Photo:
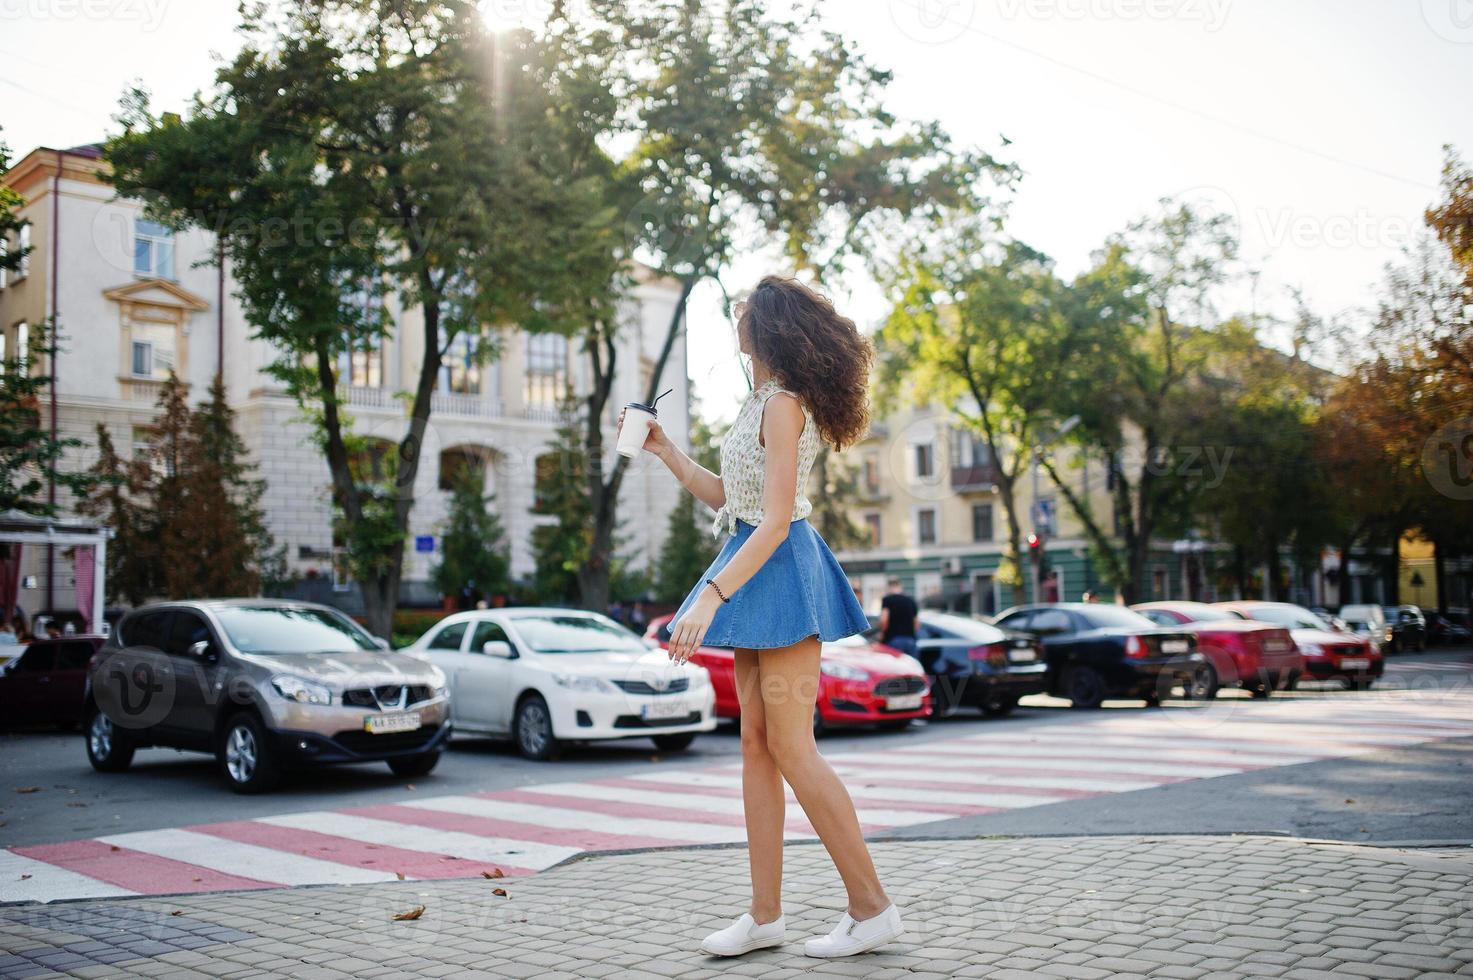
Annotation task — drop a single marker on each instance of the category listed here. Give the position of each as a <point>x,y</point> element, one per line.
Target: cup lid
<point>651,407</point>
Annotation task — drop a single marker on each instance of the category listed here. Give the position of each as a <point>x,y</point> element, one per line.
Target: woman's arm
<point>782,424</point>
<point>692,475</point>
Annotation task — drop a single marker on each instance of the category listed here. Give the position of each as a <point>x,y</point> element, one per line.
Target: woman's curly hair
<point>814,352</point>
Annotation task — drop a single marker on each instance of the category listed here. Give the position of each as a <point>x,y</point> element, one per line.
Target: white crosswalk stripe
<point>1004,766</point>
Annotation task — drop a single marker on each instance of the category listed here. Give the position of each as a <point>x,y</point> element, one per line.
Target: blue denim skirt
<point>800,591</point>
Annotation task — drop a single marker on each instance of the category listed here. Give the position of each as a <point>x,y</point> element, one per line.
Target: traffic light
<point>1034,545</point>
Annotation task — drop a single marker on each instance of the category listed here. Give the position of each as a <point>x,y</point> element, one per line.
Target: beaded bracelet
<point>718,590</point>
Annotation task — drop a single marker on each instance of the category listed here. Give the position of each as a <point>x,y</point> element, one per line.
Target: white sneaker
<point>745,935</point>
<point>850,937</point>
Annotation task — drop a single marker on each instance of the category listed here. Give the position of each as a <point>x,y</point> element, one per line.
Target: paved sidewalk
<point>1079,908</point>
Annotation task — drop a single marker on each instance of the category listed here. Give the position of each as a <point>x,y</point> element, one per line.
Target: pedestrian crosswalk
<point>998,767</point>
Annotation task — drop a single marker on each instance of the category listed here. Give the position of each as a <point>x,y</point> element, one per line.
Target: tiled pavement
<point>897,785</point>
<point>1078,908</point>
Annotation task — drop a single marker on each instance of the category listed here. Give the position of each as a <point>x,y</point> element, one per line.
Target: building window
<point>153,250</point>
<point>872,473</point>
<point>873,526</point>
<point>968,449</point>
<point>24,244</point>
<point>925,460</point>
<point>4,254</point>
<point>153,356</point>
<point>926,526</point>
<point>1158,584</point>
<point>460,371</point>
<point>546,369</point>
<point>982,522</point>
<point>23,347</point>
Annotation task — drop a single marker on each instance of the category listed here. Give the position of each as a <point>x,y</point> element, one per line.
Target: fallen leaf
<point>411,915</point>
<point>76,804</point>
<point>177,912</point>
<point>116,848</point>
<point>28,789</point>
<point>24,877</point>
<point>409,786</point>
<point>498,873</point>
<point>654,758</point>
<point>199,879</point>
<point>399,875</point>
<point>1350,801</point>
<point>499,891</point>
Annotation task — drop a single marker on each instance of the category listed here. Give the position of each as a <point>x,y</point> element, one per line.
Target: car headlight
<point>1311,649</point>
<point>699,677</point>
<point>843,671</point>
<point>579,682</point>
<point>301,691</point>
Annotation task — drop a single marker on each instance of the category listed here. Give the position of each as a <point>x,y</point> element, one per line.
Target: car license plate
<point>1354,663</point>
<point>1024,656</point>
<point>1175,646</point>
<point>399,721</point>
<point>664,709</point>
<point>903,702</point>
<point>1275,646</point>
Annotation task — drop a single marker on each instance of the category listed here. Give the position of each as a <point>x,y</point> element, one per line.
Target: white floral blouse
<point>743,461</point>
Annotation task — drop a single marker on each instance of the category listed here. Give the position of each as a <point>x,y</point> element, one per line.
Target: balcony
<point>981,476</point>
<point>465,405</point>
<point>356,396</point>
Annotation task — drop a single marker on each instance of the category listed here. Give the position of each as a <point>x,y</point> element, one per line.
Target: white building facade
<point>134,301</point>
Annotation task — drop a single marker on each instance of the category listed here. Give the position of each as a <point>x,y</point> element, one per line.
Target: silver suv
<point>262,685</point>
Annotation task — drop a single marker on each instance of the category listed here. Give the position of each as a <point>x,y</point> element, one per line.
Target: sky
<point>1318,124</point>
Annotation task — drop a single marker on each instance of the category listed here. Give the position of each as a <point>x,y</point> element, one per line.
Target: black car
<point>974,664</point>
<point>1095,651</point>
<point>1447,630</point>
<point>1408,628</point>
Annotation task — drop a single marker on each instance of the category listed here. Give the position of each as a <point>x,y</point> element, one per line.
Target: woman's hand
<point>689,630</point>
<point>654,442</point>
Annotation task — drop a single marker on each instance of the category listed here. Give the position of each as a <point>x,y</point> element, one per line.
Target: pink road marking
<point>465,823</point>
<point>966,765</point>
<point>621,808</point>
<point>358,854</point>
<point>856,790</point>
<point>147,874</point>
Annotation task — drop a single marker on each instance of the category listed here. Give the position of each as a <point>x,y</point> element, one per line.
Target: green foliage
<point>186,514</point>
<point>560,547</point>
<point>475,550</point>
<point>29,456</point>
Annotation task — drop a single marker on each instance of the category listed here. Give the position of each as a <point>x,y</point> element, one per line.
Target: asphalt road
<point>49,793</point>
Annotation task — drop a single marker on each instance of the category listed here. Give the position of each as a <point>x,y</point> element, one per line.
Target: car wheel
<point>246,755</point>
<point>999,707</point>
<point>1201,684</point>
<point>1084,687</point>
<point>1261,691</point>
<point>944,700</point>
<point>533,729</point>
<point>673,743</point>
<point>1360,683</point>
<point>109,748</point>
<point>415,765</point>
<point>1292,682</point>
<point>820,727</point>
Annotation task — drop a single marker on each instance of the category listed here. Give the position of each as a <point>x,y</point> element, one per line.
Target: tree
<point>835,500</point>
<point>30,456</point>
<point>749,126</point>
<point>355,149</point>
<point>186,514</point>
<point>475,552</point>
<point>689,547</point>
<point>981,327</point>
<point>560,546</point>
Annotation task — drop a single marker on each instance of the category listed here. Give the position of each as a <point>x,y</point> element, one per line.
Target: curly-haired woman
<point>775,591</point>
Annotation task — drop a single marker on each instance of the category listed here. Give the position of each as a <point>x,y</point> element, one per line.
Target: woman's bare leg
<point>789,689</point>
<point>763,799</point>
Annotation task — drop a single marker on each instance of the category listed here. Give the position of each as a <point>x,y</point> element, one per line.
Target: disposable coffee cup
<point>637,419</point>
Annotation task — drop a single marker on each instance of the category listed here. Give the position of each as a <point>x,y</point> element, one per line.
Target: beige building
<point>135,301</point>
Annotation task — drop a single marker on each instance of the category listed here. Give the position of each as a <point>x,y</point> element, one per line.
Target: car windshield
<point>961,626</point>
<point>291,630</point>
<point>577,634</point>
<point>1197,612</point>
<point>1115,617</point>
<point>1293,617</point>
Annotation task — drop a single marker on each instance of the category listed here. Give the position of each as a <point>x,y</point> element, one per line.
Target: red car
<point>1329,653</point>
<point>46,684</point>
<point>1258,657</point>
<point>858,683</point>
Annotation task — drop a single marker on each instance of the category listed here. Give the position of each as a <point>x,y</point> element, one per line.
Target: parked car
<point>546,676</point>
<point>1328,653</point>
<point>1408,628</point>
<point>1096,651</point>
<point>972,663</point>
<point>859,683</point>
<point>1447,631</point>
<point>262,685</point>
<point>45,683</point>
<point>1258,657</point>
<point>1369,621</point>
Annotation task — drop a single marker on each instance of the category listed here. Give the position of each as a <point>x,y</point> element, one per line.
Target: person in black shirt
<point>898,620</point>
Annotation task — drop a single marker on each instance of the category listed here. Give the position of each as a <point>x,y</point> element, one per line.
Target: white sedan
<point>546,675</point>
